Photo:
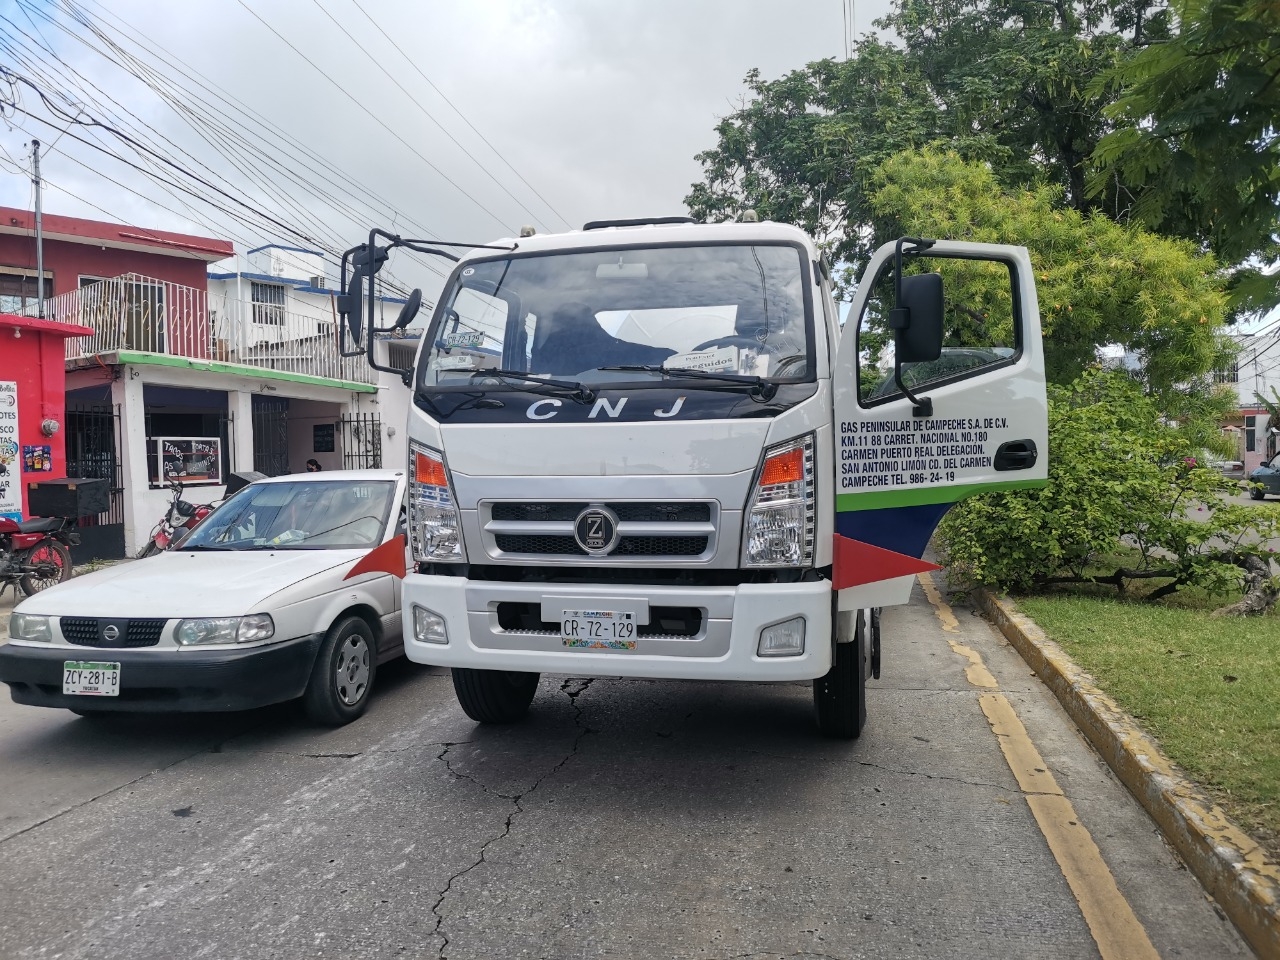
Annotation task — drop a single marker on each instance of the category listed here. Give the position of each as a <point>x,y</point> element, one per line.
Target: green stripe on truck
<point>916,496</point>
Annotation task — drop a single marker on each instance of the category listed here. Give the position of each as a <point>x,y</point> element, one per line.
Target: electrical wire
<point>498,153</point>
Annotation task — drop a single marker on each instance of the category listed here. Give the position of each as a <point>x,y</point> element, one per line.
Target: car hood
<point>186,584</point>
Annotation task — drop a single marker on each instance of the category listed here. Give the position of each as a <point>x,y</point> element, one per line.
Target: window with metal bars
<point>268,303</point>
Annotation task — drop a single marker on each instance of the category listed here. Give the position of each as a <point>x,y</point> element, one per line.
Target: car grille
<point>87,632</point>
<point>676,531</point>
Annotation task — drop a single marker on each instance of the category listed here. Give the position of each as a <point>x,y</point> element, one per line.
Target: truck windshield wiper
<point>760,387</point>
<point>567,388</point>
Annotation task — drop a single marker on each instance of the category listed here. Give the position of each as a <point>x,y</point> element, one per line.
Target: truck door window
<point>980,329</point>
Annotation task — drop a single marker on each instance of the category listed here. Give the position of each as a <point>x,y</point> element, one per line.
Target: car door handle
<point>1016,455</point>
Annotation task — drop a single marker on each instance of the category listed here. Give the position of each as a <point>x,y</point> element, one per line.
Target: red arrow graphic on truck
<point>855,563</point>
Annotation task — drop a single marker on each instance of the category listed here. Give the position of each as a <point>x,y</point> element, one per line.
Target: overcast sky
<point>601,106</point>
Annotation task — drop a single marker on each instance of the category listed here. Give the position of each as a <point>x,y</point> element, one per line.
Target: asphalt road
<point>623,819</point>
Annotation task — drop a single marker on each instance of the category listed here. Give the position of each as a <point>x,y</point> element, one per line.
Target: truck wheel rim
<point>352,669</point>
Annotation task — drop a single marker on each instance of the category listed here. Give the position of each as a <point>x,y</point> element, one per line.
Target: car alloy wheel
<point>352,669</point>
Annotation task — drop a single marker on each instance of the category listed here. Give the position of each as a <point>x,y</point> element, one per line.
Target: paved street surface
<point>624,819</point>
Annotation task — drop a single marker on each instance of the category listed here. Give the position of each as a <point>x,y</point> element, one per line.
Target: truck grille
<point>87,632</point>
<point>676,531</point>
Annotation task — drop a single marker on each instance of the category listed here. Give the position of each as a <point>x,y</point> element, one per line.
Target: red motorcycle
<point>35,554</point>
<point>179,520</point>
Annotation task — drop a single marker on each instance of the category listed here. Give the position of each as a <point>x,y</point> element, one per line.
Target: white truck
<point>649,449</point>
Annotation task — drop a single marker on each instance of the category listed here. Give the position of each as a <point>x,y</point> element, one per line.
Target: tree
<point>1197,137</point>
<point>1099,282</point>
<point>1128,500</point>
<point>1004,82</point>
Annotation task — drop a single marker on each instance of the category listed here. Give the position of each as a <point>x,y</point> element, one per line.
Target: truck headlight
<point>434,523</point>
<point>778,530</point>
<point>30,626</point>
<point>251,629</point>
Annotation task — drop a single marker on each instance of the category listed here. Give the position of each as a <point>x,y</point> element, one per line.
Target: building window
<point>1250,434</point>
<point>18,290</point>
<point>1228,374</point>
<point>268,303</point>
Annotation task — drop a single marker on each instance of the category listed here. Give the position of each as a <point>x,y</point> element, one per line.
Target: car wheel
<point>840,697</point>
<point>342,677</point>
<point>1256,494</point>
<point>494,696</point>
<point>54,558</point>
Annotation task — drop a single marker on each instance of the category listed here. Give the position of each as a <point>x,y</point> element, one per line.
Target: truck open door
<point>939,395</point>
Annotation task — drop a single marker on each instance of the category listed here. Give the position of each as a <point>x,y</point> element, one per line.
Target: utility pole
<point>35,180</point>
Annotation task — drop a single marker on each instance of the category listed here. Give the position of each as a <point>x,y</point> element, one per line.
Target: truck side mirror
<point>920,340</point>
<point>409,310</point>
<point>349,305</point>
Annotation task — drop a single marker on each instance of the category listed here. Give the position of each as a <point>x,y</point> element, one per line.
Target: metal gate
<point>361,441</point>
<point>92,445</point>
<point>271,435</point>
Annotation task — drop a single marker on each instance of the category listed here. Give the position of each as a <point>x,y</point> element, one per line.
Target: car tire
<point>342,677</point>
<point>840,697</point>
<point>494,696</point>
<point>31,584</point>
<point>1255,494</point>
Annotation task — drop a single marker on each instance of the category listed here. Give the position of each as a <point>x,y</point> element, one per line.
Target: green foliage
<point>1119,473</point>
<point>1099,282</point>
<point>1196,134</point>
<point>1004,82</point>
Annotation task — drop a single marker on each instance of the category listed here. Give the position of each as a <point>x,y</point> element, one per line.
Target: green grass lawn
<point>1207,689</point>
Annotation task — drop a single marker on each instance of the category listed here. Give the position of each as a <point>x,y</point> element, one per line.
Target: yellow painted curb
<point>1232,867</point>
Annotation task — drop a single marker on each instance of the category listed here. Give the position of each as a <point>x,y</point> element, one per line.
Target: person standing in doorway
<point>313,466</point>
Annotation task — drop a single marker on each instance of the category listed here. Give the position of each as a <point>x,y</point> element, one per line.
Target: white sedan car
<point>251,609</point>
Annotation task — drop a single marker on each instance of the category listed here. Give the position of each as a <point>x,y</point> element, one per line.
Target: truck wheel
<point>494,696</point>
<point>841,696</point>
<point>342,677</point>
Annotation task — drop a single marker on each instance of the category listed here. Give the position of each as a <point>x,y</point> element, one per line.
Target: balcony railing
<point>133,312</point>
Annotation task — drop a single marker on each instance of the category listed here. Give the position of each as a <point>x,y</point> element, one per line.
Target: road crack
<point>573,688</point>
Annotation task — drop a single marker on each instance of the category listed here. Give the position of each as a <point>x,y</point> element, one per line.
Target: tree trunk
<point>1260,591</point>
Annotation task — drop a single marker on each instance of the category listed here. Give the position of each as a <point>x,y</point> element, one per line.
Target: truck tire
<point>342,677</point>
<point>494,696</point>
<point>840,697</point>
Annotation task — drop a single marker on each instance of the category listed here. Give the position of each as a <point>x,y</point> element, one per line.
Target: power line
<point>376,119</point>
<point>425,112</point>
<point>498,153</point>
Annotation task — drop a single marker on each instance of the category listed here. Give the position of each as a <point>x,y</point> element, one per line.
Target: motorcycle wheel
<point>52,555</point>
<point>149,550</point>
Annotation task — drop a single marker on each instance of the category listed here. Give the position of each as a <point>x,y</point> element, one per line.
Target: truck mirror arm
<point>900,320</point>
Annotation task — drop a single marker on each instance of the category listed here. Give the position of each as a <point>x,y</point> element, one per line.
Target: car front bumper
<point>165,680</point>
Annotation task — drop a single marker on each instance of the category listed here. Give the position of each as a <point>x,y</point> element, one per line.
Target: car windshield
<point>298,515</point>
<point>735,310</point>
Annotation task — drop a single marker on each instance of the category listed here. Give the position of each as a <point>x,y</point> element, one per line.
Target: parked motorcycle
<point>179,520</point>
<point>35,554</point>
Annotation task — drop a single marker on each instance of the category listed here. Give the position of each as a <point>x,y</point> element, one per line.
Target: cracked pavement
<point>622,819</point>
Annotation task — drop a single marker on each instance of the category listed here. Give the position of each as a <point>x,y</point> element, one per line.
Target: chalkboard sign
<point>189,459</point>
<point>322,438</point>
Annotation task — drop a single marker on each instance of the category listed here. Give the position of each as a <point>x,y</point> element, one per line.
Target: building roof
<point>44,326</point>
<point>119,236</point>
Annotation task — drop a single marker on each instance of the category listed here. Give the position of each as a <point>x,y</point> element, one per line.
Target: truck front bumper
<point>723,648</point>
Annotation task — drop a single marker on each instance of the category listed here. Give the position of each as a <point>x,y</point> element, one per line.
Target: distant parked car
<point>1268,475</point>
<point>250,609</point>
<point>1231,469</point>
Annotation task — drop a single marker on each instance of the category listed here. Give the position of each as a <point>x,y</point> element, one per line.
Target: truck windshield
<point>739,310</point>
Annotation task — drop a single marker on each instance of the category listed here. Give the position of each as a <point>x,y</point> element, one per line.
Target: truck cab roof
<point>654,235</point>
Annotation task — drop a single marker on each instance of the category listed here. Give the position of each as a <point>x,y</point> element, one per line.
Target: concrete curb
<point>1230,865</point>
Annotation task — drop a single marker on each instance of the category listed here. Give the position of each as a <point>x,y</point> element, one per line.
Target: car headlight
<point>434,522</point>
<point>250,629</point>
<point>30,626</point>
<point>778,530</point>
